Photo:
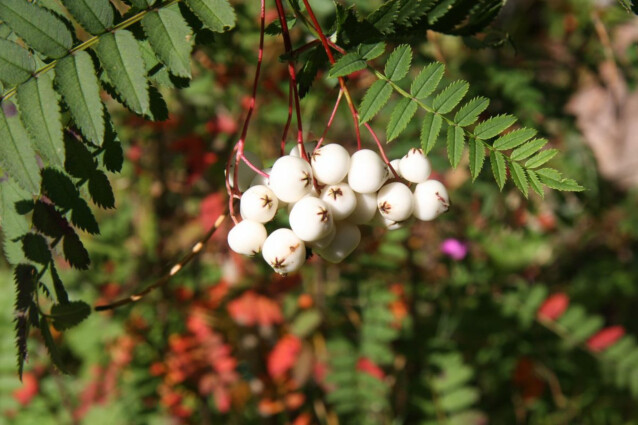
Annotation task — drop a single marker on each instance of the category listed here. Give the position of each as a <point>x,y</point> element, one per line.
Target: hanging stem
<point>284,136</point>
<point>332,116</point>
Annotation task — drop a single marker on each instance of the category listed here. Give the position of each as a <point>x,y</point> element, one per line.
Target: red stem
<point>332,116</point>
<point>284,136</point>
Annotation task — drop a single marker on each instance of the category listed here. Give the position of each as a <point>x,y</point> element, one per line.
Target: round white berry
<point>346,240</point>
<point>245,174</point>
<point>325,241</point>
<point>365,209</point>
<point>284,251</point>
<point>247,237</point>
<point>367,171</point>
<point>395,163</point>
<point>394,225</point>
<point>395,201</point>
<point>341,200</point>
<point>259,179</point>
<point>308,146</point>
<point>258,203</point>
<point>430,200</point>
<point>290,178</point>
<point>330,163</point>
<point>415,166</point>
<point>311,219</point>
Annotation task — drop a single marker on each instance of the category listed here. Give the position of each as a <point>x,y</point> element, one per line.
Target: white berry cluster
<point>327,199</point>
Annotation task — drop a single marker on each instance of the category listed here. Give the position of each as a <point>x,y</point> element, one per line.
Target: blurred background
<point>505,310</point>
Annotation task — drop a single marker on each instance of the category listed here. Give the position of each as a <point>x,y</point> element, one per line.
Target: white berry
<point>330,163</point>
<point>284,251</point>
<point>430,200</point>
<point>258,203</point>
<point>308,146</point>
<point>395,163</point>
<point>245,174</point>
<point>290,178</point>
<point>346,240</point>
<point>324,242</point>
<point>311,219</point>
<point>341,200</point>
<point>259,179</point>
<point>395,202</point>
<point>367,171</point>
<point>247,237</point>
<point>365,209</point>
<point>415,166</point>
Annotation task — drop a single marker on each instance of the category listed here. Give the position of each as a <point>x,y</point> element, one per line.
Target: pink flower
<point>454,249</point>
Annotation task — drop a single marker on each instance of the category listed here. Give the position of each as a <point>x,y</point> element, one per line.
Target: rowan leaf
<point>535,183</point>
<point>68,315</point>
<point>40,113</point>
<point>347,64</point>
<point>528,149</point>
<point>430,129</point>
<point>95,16</point>
<point>401,116</point>
<point>52,348</point>
<point>41,29</point>
<point>371,51</point>
<point>82,217</point>
<point>493,126</point>
<point>398,63</point>
<point>541,158</point>
<point>171,39</point>
<point>375,98</point>
<point>16,153</point>
<point>74,251</point>
<point>427,81</point>
<point>518,176</point>
<point>218,15</point>
<point>514,138</point>
<point>35,248</point>
<point>59,188</point>
<point>455,144</point>
<point>477,157</point>
<point>16,64</point>
<point>469,113</point>
<point>497,160</point>
<point>76,80</point>
<point>120,55</point>
<point>450,97</point>
<point>554,180</point>
<point>101,191</point>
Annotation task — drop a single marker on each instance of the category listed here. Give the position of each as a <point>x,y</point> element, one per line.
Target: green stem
<point>90,42</point>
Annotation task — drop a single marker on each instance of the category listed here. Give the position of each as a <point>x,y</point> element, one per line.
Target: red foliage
<point>198,159</point>
<point>605,338</point>
<point>526,380</point>
<point>221,123</point>
<point>368,366</point>
<point>553,307</point>
<point>211,207</point>
<point>253,309</point>
<point>282,358</point>
<point>29,389</point>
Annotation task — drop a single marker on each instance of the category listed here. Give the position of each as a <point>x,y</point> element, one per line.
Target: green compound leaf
<point>535,183</point>
<point>541,158</point>
<point>519,177</point>
<point>59,188</point>
<point>450,97</point>
<point>375,98</point>
<point>120,55</point>
<point>76,80</point>
<point>35,248</point>
<point>469,113</point>
<point>398,63</point>
<point>528,149</point>
<point>427,81</point>
<point>17,156</point>
<point>101,191</point>
<point>455,144</point>
<point>371,51</point>
<point>497,160</point>
<point>41,29</point>
<point>40,112</point>
<point>68,315</point>
<point>553,179</point>
<point>95,16</point>
<point>347,65</point>
<point>82,217</point>
<point>170,37</point>
<point>430,130</point>
<point>493,126</point>
<point>16,64</point>
<point>477,157</point>
<point>74,251</point>
<point>401,116</point>
<point>514,138</point>
<point>218,15</point>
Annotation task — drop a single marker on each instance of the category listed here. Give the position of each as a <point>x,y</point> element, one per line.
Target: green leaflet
<point>69,314</point>
<point>14,225</point>
<point>78,84</point>
<point>398,63</point>
<point>477,157</point>
<point>16,153</point>
<point>535,183</point>
<point>459,399</point>
<point>74,251</point>
<point>427,81</point>
<point>430,130</point>
<point>469,113</point>
<point>16,64</point>
<point>35,248</point>
<point>497,160</point>
<point>56,358</point>
<point>120,55</point>
<point>554,180</point>
<point>371,51</point>
<point>347,65</point>
<point>528,149</point>
<point>455,144</point>
<point>170,37</point>
<point>40,113</point>
<point>518,176</point>
<point>218,15</point>
<point>37,26</point>
<point>96,16</point>
<point>101,191</point>
<point>375,98</point>
<point>450,97</point>
<point>493,126</point>
<point>541,158</point>
<point>514,138</point>
<point>401,116</point>
<point>142,4</point>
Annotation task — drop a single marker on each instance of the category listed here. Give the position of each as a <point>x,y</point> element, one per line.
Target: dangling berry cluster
<point>327,197</point>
